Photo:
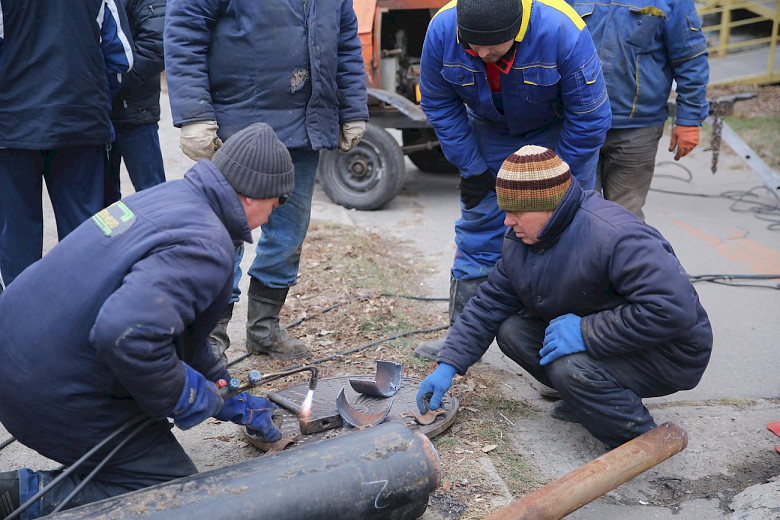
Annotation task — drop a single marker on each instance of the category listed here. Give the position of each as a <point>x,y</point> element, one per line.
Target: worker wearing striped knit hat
<point>586,298</point>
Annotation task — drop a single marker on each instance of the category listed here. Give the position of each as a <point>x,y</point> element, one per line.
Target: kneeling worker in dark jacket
<point>586,298</point>
<point>111,328</point>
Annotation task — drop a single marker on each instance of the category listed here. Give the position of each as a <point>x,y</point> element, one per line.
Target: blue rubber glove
<point>434,387</point>
<point>253,411</point>
<point>199,400</point>
<point>562,337</point>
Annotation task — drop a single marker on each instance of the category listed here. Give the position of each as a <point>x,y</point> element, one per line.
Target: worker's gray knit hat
<point>256,164</point>
<point>488,22</point>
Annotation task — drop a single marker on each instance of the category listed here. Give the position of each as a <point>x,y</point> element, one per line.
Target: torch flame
<point>306,405</point>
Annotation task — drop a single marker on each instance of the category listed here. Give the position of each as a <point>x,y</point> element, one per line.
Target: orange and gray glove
<point>350,133</point>
<point>685,139</point>
<point>199,140</point>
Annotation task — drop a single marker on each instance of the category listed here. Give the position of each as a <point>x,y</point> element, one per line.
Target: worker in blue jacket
<point>135,110</point>
<point>645,46</point>
<point>295,65</point>
<point>495,75</point>
<point>58,64</point>
<point>586,298</point>
<point>111,328</point>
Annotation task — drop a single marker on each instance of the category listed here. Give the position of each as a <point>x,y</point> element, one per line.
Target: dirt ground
<point>351,293</point>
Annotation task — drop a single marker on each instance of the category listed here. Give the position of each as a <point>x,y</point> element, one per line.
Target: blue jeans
<point>480,230</point>
<point>605,394</point>
<point>278,251</point>
<point>139,146</point>
<point>74,180</point>
<point>164,462</point>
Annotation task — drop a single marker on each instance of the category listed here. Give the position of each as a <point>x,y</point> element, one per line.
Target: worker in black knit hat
<point>115,320</point>
<point>586,298</point>
<point>496,75</point>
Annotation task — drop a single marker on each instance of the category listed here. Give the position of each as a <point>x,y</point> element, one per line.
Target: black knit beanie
<point>488,22</point>
<point>255,163</point>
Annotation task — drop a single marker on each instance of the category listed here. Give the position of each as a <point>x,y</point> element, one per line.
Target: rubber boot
<point>461,292</point>
<point>220,341</point>
<point>9,493</point>
<point>263,333</point>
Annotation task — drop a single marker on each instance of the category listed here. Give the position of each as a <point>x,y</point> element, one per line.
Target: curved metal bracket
<point>386,382</point>
<point>358,419</point>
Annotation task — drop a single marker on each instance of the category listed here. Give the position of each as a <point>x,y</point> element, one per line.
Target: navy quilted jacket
<point>92,334</point>
<point>596,260</point>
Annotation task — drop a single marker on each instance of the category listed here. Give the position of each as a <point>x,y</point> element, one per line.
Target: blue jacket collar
<point>206,178</point>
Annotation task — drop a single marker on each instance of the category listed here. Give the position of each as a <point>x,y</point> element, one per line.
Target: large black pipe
<point>383,472</point>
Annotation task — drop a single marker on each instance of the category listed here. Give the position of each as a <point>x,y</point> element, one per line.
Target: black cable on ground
<point>75,465</point>
<point>358,349</point>
<point>742,201</point>
<point>102,463</point>
<point>723,279</point>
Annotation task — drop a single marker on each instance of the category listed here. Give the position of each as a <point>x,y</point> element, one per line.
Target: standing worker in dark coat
<point>295,65</point>
<point>586,298</point>
<point>58,64</point>
<point>112,326</point>
<point>136,109</point>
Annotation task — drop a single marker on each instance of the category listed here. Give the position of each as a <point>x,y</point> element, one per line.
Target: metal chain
<point>718,109</point>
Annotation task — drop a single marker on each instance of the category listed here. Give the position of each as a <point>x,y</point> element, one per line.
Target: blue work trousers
<point>139,146</point>
<point>480,230</point>
<point>74,180</point>
<point>605,394</point>
<point>278,251</point>
<point>166,461</point>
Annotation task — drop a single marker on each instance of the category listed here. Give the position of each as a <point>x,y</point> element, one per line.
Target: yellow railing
<point>725,42</point>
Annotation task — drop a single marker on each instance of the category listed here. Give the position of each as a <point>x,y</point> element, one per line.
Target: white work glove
<point>350,134</point>
<point>199,140</point>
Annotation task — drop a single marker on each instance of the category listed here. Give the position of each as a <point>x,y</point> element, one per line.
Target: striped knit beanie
<point>532,179</point>
<point>255,163</point>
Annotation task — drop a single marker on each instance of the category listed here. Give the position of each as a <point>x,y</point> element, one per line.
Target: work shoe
<point>461,292</point>
<point>562,412</point>
<point>429,350</point>
<point>545,391</point>
<point>220,341</point>
<point>263,333</point>
<point>9,493</point>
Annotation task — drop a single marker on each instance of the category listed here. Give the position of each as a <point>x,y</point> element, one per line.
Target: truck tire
<point>431,161</point>
<point>368,176</point>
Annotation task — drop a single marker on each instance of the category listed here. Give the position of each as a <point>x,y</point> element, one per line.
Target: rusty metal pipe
<point>588,482</point>
<point>383,472</point>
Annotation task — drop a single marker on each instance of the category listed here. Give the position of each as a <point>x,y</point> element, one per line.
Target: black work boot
<point>9,493</point>
<point>461,292</point>
<point>263,333</point>
<point>561,411</point>
<point>220,341</point>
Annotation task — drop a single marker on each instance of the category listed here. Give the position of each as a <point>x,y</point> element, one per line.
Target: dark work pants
<point>74,180</point>
<point>605,394</point>
<point>139,146</point>
<point>164,462</point>
<point>626,165</point>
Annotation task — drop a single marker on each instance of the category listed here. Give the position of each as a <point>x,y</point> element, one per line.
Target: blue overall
<point>553,95</point>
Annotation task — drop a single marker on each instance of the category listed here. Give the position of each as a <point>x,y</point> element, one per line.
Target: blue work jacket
<point>645,44</point>
<point>58,64</point>
<point>555,81</point>
<point>598,261</point>
<point>294,65</point>
<point>94,333</point>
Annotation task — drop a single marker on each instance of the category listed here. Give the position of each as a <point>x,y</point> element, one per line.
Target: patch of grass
<point>759,133</point>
